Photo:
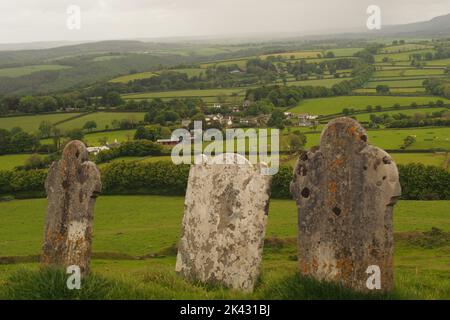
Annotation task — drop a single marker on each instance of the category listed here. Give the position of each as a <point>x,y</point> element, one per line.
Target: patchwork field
<point>427,138</point>
<point>296,54</point>
<point>409,112</point>
<point>419,90</point>
<point>408,72</point>
<point>102,119</point>
<point>186,93</point>
<point>135,76</point>
<point>324,106</point>
<point>31,123</point>
<point>400,83</point>
<point>10,161</point>
<point>26,70</point>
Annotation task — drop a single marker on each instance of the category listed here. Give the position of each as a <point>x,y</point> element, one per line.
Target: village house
<point>307,120</point>
<point>96,150</point>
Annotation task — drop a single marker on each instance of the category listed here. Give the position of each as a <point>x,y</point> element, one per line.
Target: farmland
<point>31,123</point>
<point>324,106</point>
<point>23,71</point>
<point>392,139</point>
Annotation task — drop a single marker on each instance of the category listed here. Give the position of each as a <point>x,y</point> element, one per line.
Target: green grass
<point>321,82</point>
<point>442,62</point>
<point>427,138</point>
<point>410,112</point>
<point>31,123</point>
<point>429,159</point>
<point>344,52</point>
<point>324,106</point>
<point>9,162</point>
<point>26,70</point>
<point>396,84</point>
<point>185,93</point>
<point>102,119</point>
<point>130,226</point>
<point>296,54</point>
<point>420,90</point>
<point>135,76</point>
<point>403,56</point>
<point>408,72</point>
<point>405,47</point>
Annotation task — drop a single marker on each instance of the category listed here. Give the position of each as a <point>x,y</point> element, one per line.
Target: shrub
<point>137,148</point>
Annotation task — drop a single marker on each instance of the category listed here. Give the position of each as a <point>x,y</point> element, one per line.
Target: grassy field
<point>135,76</point>
<point>408,72</point>
<point>324,106</point>
<point>31,123</point>
<point>321,82</point>
<point>295,54</point>
<point>344,52</point>
<point>26,70</point>
<point>10,161</point>
<point>102,119</point>
<point>396,83</point>
<point>185,93</point>
<point>404,48</point>
<point>127,227</point>
<point>419,90</point>
<point>409,112</point>
<point>403,56</point>
<point>427,138</point>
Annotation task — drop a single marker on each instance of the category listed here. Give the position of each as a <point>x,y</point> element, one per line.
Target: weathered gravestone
<point>345,192</point>
<point>224,222</point>
<point>72,185</point>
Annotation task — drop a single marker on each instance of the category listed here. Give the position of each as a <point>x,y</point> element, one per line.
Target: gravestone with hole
<point>345,192</point>
<point>72,185</point>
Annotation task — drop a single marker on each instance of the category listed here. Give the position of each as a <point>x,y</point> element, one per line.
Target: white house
<point>96,150</point>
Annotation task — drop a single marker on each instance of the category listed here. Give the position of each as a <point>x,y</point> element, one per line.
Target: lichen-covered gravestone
<point>345,192</point>
<point>224,222</point>
<point>72,185</point>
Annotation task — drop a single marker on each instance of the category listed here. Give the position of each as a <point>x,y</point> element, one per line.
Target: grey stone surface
<point>224,222</point>
<point>345,192</point>
<point>72,185</point>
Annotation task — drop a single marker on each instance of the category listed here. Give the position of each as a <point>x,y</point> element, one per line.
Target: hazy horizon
<point>24,21</point>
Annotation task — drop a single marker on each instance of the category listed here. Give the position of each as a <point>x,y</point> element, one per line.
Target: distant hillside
<point>438,26</point>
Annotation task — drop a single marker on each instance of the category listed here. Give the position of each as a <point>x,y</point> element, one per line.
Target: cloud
<point>31,20</point>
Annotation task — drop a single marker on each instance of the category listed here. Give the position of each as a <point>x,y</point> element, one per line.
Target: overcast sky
<point>45,20</point>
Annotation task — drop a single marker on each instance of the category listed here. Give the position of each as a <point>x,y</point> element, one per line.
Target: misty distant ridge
<point>437,27</point>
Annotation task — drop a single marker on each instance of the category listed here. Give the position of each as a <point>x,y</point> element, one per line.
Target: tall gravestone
<point>345,192</point>
<point>224,222</point>
<point>72,185</point>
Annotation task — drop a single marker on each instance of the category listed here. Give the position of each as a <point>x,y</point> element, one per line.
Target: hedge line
<point>418,182</point>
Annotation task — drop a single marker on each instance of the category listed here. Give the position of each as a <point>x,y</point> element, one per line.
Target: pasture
<point>418,90</point>
<point>426,138</point>
<point>31,123</point>
<point>324,106</point>
<point>410,112</point>
<point>10,161</point>
<point>26,70</point>
<point>407,72</point>
<point>134,76</point>
<point>400,83</point>
<point>212,93</point>
<point>296,54</point>
<point>128,229</point>
<point>102,119</point>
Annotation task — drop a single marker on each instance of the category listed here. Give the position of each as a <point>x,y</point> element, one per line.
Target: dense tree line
<point>419,182</point>
<point>17,141</point>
